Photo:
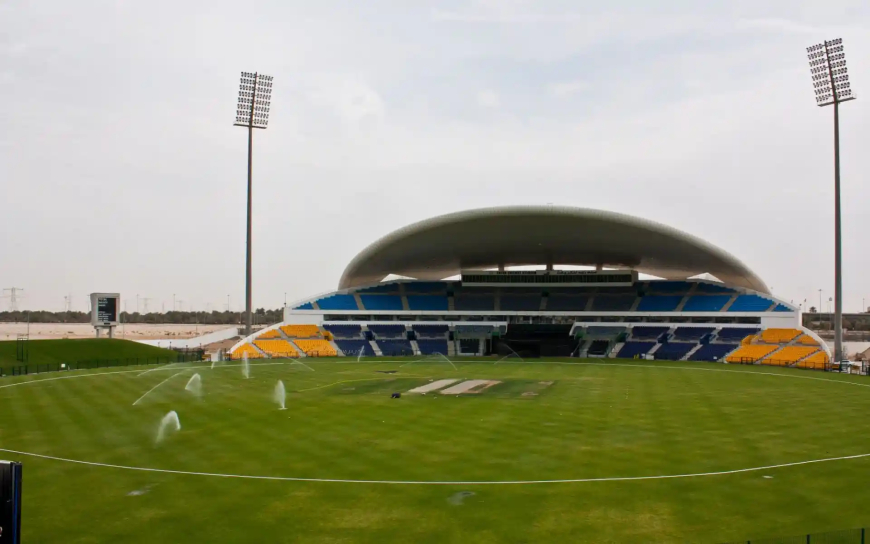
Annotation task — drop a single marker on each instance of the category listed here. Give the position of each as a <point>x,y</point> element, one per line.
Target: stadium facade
<point>604,310</point>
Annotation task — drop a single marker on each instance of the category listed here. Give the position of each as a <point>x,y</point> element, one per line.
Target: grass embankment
<point>53,352</point>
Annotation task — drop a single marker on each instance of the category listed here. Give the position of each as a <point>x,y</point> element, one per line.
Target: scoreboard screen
<point>104,308</point>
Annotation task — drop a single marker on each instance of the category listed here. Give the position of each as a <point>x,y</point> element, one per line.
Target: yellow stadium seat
<point>316,348</point>
<point>252,352</point>
<point>789,355</point>
<point>818,361</point>
<point>750,353</point>
<point>748,340</point>
<point>269,334</point>
<point>807,341</point>
<point>277,348</point>
<point>779,336</point>
<point>301,331</point>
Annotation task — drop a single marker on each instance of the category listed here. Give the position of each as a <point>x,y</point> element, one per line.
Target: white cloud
<point>568,87</point>
<point>488,99</point>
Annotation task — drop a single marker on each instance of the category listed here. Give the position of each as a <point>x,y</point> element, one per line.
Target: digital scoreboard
<point>105,309</point>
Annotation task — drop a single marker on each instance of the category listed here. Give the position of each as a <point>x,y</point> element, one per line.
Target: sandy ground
<point>44,331</point>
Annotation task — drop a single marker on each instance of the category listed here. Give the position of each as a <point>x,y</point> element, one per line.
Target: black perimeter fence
<point>848,536</point>
<point>183,356</point>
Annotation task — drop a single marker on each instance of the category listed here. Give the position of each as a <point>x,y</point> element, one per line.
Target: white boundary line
<point>425,482</point>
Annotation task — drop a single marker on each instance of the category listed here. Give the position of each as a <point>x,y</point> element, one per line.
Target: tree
<point>812,309</point>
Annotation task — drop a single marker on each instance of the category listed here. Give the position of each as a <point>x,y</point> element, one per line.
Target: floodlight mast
<point>831,82</point>
<point>252,111</point>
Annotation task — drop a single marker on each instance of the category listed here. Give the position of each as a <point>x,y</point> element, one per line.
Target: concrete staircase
<point>729,303</point>
<point>358,300</point>
<point>615,350</point>
<point>415,347</point>
<point>691,352</point>
<point>376,348</point>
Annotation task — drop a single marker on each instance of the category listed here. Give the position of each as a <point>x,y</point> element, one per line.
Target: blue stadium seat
<point>706,303</point>
<point>431,331</point>
<point>427,302</point>
<point>388,331</point>
<point>394,348</point>
<point>648,333</point>
<point>673,351</point>
<point>430,347</point>
<point>344,331</point>
<point>782,308</point>
<point>520,303</point>
<point>425,287</point>
<point>306,306</point>
<point>712,352</point>
<point>692,333</point>
<point>750,303</point>
<point>381,302</point>
<point>352,347</point>
<point>733,333</point>
<point>666,303</point>
<point>613,303</point>
<point>566,303</point>
<point>338,302</point>
<point>630,349</point>
<point>465,303</point>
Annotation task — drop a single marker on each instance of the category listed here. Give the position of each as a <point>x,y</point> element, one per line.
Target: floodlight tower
<point>831,82</point>
<point>255,94</point>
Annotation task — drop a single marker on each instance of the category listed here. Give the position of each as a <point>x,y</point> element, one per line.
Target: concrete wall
<point>199,341</point>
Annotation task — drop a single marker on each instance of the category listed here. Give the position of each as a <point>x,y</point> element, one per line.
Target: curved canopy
<point>440,247</point>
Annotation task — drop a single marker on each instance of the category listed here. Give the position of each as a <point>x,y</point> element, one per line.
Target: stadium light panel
<point>829,72</point>
<point>255,100</point>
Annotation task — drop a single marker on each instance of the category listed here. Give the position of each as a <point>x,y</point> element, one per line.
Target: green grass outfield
<point>598,421</point>
<point>41,352</point>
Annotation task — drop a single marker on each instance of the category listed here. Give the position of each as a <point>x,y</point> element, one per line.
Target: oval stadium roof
<point>440,247</point>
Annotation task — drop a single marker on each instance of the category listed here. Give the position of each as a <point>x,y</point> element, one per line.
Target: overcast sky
<point>121,170</point>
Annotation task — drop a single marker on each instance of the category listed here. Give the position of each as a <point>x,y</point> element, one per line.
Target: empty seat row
<point>431,347</point>
<point>434,303</point>
<point>789,355</point>
<point>431,330</point>
<point>316,348</point>
<point>750,353</point>
<point>381,302</point>
<point>779,336</point>
<point>387,331</point>
<point>247,349</point>
<point>712,352</point>
<point>648,332</point>
<point>567,303</point>
<point>692,333</point>
<point>277,348</point>
<point>706,303</point>
<point>272,333</point>
<point>395,348</point>
<point>629,350</point>
<point>301,331</point>
<point>344,331</point>
<point>352,348</point>
<point>673,351</point>
<point>662,303</point>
